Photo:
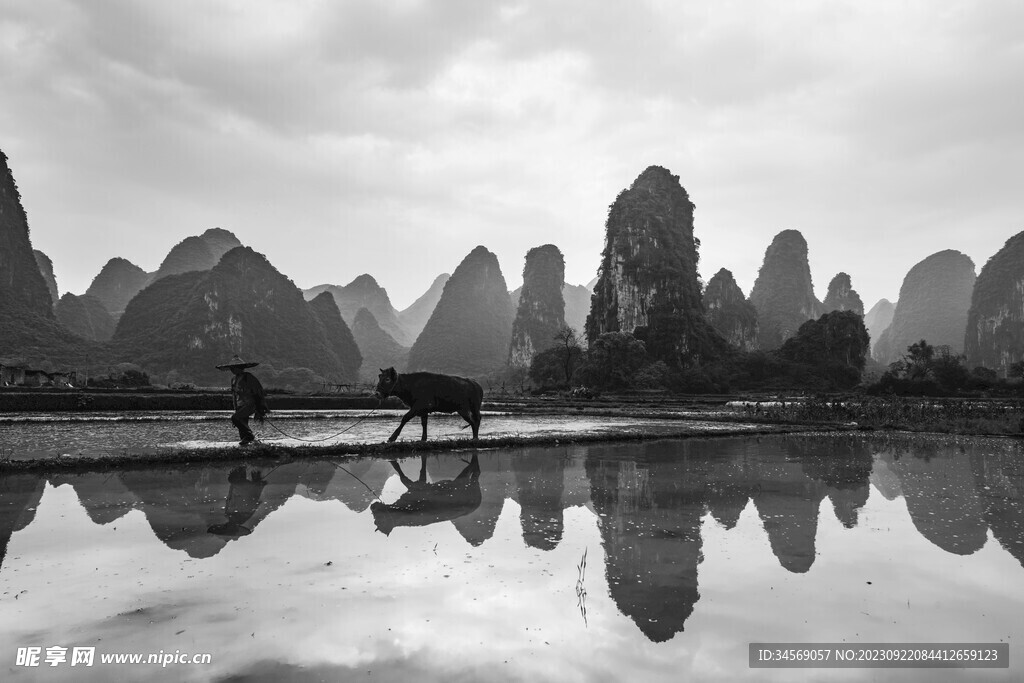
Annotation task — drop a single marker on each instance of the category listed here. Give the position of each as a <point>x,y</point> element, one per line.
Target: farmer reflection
<point>428,503</point>
<point>243,499</point>
<point>247,397</point>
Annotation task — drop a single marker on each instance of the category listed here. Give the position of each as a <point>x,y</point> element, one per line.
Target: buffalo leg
<point>468,417</point>
<point>476,423</point>
<point>405,418</point>
<point>423,420</point>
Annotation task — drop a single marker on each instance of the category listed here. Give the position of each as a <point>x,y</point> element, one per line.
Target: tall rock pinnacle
<point>648,283</point>
<point>783,293</point>
<point>541,312</point>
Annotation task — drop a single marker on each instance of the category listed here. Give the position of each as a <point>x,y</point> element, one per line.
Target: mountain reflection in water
<point>650,503</point>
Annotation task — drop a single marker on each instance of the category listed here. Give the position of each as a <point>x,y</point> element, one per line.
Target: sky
<point>346,137</point>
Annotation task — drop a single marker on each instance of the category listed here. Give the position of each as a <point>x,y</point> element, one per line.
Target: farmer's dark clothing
<point>249,399</point>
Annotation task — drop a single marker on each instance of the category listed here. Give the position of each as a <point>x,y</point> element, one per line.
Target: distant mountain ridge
<point>935,298</point>
<point>364,292</point>
<point>468,333</point>
<point>415,317</point>
<point>198,252</point>
<point>379,349</point>
<point>120,280</point>
<point>86,316</point>
<point>877,319</point>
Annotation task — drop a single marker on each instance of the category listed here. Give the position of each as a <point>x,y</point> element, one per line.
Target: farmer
<point>247,396</point>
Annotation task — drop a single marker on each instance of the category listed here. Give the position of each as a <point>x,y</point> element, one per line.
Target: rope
<point>326,438</point>
<point>337,465</point>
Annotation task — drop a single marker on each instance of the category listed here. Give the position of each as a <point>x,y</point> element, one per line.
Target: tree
<point>835,346</point>
<point>612,360</point>
<point>557,365</point>
<point>569,351</point>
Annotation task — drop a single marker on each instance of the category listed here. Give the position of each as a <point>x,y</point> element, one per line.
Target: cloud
<point>392,138</point>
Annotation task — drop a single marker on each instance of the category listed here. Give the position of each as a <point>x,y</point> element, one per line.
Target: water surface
<point>476,571</point>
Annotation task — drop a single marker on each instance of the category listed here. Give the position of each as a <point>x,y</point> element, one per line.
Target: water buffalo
<point>427,392</point>
<point>428,503</point>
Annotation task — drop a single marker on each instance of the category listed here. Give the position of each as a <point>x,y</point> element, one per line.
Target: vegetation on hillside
<point>825,354</point>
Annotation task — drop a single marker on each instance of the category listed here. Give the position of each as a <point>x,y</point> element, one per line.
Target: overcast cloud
<point>393,137</point>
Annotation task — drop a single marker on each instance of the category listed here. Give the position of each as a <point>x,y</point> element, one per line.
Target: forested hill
<point>415,317</point>
<point>196,320</point>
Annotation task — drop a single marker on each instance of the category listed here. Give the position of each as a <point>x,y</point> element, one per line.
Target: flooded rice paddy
<point>32,436</point>
<point>646,561</point>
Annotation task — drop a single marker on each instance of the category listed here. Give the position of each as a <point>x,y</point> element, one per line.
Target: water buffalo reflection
<point>428,503</point>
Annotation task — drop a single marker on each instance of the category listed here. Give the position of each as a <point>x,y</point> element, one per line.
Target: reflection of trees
<point>19,497</point>
<point>540,479</point>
